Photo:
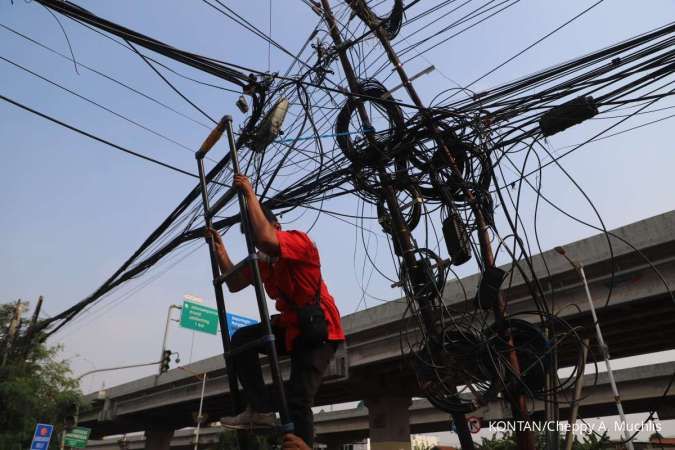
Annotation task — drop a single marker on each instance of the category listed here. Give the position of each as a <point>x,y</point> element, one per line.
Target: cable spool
<point>426,280</point>
<point>435,171</point>
<point>477,174</point>
<point>533,351</point>
<point>411,208</point>
<point>360,151</point>
<point>366,179</point>
<point>457,359</point>
<point>426,153</point>
<point>391,23</point>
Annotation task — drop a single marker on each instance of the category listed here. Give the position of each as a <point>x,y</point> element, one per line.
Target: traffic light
<point>69,423</point>
<point>70,412</point>
<point>166,360</point>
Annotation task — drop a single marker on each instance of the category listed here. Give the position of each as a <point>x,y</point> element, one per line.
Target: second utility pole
<point>400,232</point>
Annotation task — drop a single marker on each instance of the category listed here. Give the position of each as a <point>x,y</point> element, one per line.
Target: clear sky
<point>73,210</point>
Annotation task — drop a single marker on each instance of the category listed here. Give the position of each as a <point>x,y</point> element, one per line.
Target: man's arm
<point>264,234</point>
<point>237,281</point>
<point>293,442</point>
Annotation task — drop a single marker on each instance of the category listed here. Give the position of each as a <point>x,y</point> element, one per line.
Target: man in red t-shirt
<point>291,272</point>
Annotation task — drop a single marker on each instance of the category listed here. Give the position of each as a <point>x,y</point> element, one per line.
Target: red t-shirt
<point>295,277</point>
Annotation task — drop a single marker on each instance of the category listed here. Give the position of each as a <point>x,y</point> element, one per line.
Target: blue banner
<point>234,322</point>
<point>43,433</point>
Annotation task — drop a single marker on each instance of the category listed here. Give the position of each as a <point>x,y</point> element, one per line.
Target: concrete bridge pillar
<point>389,420</point>
<point>158,438</point>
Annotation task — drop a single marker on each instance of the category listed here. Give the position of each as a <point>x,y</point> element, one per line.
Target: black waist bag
<point>313,325</point>
<point>312,321</point>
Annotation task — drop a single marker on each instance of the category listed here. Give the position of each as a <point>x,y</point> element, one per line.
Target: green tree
<point>421,446</point>
<point>656,436</point>
<point>505,442</point>
<point>591,441</point>
<point>36,386</point>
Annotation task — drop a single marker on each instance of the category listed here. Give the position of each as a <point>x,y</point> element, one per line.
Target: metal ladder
<point>218,279</point>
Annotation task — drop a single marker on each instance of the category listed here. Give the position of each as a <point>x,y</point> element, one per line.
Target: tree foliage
<point>36,386</point>
<point>507,441</point>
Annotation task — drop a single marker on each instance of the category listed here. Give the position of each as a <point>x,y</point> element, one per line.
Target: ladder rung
<point>240,265</point>
<point>253,344</point>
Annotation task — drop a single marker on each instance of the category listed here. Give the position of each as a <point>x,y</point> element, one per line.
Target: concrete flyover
<point>641,388</point>
<point>374,369</point>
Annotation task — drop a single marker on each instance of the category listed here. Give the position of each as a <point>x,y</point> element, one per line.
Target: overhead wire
<point>305,177</point>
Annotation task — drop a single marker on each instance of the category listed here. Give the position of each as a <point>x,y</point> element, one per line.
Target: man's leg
<point>248,367</point>
<point>307,368</point>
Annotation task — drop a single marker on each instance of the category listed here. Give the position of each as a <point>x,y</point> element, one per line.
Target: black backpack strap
<point>317,296</point>
<point>293,305</point>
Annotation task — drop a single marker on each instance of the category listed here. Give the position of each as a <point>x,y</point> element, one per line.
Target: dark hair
<point>269,214</point>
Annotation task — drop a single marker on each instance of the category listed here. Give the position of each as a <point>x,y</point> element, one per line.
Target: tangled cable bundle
<point>391,23</point>
<point>468,166</point>
<point>351,134</point>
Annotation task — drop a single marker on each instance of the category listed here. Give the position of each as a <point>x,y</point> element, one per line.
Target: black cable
<point>88,100</point>
<point>96,138</point>
<point>108,77</point>
<point>535,43</point>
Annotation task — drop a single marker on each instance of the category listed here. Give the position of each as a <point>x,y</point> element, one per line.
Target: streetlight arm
<point>577,265</point>
<point>116,368</point>
<point>601,341</point>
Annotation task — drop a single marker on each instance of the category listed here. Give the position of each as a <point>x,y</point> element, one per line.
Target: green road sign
<point>199,318</point>
<point>77,437</point>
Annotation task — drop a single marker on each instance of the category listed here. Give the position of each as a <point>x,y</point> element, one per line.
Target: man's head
<point>270,216</point>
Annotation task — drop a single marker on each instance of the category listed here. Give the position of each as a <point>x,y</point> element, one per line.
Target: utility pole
<point>166,333</point>
<point>579,267</point>
<point>12,329</point>
<point>28,339</point>
<point>401,234</point>
<point>200,417</point>
<point>569,436</point>
<point>36,314</point>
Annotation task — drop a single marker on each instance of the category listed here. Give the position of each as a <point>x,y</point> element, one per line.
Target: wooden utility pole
<point>28,339</point>
<point>401,234</point>
<point>36,314</point>
<point>12,330</point>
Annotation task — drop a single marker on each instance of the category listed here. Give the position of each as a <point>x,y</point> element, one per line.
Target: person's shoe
<point>250,419</point>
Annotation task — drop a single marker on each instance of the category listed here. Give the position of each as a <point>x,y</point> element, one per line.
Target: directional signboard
<point>43,433</point>
<point>234,322</point>
<point>77,437</point>
<point>199,318</point>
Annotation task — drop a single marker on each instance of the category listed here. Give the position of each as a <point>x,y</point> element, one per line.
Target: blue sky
<point>73,210</point>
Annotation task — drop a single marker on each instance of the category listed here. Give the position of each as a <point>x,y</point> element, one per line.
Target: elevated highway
<point>642,388</point>
<point>639,319</point>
